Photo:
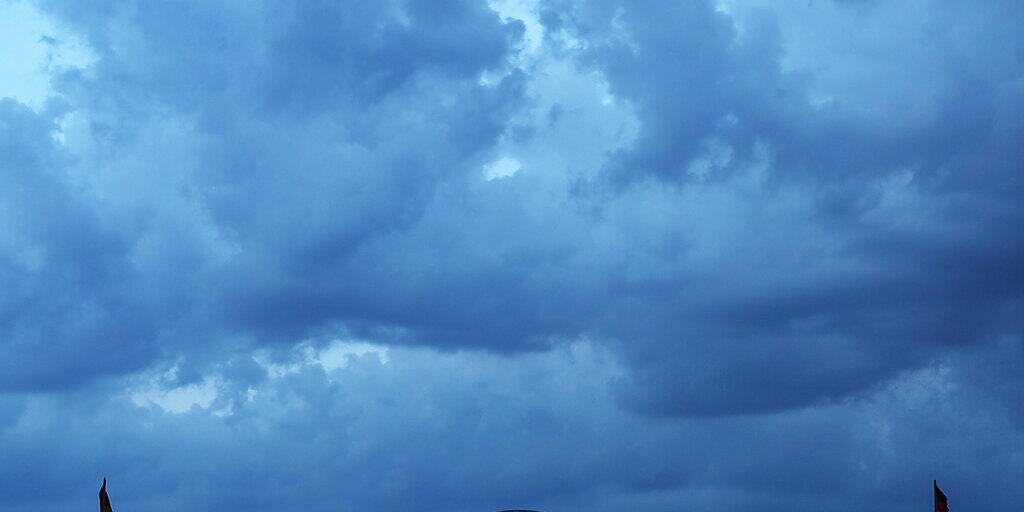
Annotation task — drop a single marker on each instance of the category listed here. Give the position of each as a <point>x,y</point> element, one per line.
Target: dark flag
<point>104,501</point>
<point>940,499</point>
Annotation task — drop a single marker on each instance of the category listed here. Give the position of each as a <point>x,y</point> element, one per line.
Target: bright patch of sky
<point>337,355</point>
<point>526,12</point>
<point>177,400</point>
<point>501,168</point>
<point>31,46</point>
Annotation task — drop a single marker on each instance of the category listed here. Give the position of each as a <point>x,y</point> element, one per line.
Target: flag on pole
<point>104,499</point>
<point>940,499</point>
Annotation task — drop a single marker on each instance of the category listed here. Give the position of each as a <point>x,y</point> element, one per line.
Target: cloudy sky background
<point>454,255</point>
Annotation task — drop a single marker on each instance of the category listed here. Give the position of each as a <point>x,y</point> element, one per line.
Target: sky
<point>567,255</point>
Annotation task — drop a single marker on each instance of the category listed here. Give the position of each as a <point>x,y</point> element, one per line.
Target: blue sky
<point>559,254</point>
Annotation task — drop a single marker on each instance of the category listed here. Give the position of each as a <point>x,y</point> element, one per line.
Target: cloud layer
<point>604,255</point>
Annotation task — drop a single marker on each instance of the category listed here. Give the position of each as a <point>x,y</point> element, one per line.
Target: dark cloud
<point>830,298</point>
<point>744,253</point>
<point>454,432</point>
<point>68,296</point>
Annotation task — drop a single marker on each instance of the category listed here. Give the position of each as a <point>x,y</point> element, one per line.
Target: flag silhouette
<point>940,499</point>
<point>104,499</point>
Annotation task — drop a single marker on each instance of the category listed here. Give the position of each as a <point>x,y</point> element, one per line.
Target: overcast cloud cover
<point>559,254</point>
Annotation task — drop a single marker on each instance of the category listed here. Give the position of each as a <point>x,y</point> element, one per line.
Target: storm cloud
<point>565,254</point>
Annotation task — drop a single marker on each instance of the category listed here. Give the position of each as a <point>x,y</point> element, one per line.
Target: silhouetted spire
<point>940,499</point>
<point>104,499</point>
